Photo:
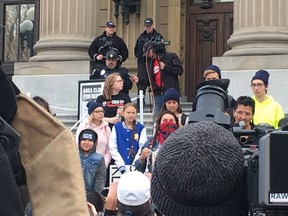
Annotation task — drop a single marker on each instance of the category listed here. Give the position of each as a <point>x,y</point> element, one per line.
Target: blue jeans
<point>158,102</point>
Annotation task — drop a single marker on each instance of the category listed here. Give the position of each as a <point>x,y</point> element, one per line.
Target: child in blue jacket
<point>93,164</point>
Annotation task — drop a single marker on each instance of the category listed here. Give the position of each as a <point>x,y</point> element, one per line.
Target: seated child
<point>93,164</point>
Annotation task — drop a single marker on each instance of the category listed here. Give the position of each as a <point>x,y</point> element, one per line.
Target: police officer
<point>148,35</point>
<point>106,41</point>
<point>163,71</point>
<point>111,66</point>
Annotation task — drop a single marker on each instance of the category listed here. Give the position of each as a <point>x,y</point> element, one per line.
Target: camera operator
<point>266,109</point>
<point>105,42</point>
<point>163,70</point>
<point>199,171</point>
<point>101,72</point>
<point>148,35</point>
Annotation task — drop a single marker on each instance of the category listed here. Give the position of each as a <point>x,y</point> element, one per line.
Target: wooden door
<point>207,33</point>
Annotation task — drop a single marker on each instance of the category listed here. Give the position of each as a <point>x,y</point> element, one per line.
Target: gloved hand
<point>122,169</point>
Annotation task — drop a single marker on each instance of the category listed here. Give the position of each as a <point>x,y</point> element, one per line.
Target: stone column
<point>259,41</point>
<point>66,30</point>
<point>260,28</point>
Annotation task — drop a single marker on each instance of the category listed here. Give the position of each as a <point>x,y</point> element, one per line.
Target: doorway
<point>207,34</point>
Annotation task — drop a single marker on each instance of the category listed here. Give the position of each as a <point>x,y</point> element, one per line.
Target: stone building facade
<point>259,41</point>
<point>66,31</point>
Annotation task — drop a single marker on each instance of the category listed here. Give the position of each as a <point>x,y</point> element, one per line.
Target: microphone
<point>241,124</point>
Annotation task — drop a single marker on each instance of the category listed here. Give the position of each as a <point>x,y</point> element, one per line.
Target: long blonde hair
<point>109,80</point>
<point>91,118</point>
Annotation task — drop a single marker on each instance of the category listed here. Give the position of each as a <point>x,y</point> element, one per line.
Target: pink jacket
<point>103,131</point>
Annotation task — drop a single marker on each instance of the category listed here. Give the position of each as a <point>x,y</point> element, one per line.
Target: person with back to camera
<point>93,164</point>
<point>267,110</point>
<point>127,138</point>
<point>172,103</point>
<point>96,200</point>
<point>163,70</point>
<point>166,124</point>
<point>111,66</point>
<point>48,158</point>
<point>199,171</point>
<point>148,34</point>
<point>130,196</point>
<point>112,99</point>
<point>106,41</point>
<point>95,122</point>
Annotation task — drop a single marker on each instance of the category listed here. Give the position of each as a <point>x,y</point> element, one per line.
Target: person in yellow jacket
<point>267,110</point>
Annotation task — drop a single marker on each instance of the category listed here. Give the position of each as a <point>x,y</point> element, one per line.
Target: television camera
<point>158,45</point>
<point>266,162</point>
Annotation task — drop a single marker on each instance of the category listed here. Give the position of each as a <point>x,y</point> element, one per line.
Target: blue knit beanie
<point>261,75</point>
<point>92,105</point>
<point>214,68</point>
<point>171,94</point>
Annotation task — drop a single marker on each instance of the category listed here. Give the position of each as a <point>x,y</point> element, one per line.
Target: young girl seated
<point>172,103</point>
<point>126,138</point>
<point>166,124</point>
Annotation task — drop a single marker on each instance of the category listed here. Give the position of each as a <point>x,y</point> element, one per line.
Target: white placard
<point>88,90</point>
<point>115,174</point>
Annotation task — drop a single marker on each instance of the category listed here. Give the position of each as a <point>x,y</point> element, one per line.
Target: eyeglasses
<point>119,81</point>
<point>99,111</point>
<point>254,85</point>
<point>239,112</point>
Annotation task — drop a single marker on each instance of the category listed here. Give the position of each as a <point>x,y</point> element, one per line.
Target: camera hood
<point>222,83</point>
<point>210,103</point>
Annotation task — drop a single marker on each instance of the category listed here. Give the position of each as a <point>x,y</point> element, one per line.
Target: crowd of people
<point>179,170</point>
<point>157,69</point>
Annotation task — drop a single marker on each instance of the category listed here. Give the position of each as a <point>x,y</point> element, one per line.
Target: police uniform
<point>103,43</point>
<point>101,72</point>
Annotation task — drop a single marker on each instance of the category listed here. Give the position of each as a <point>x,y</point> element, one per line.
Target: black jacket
<point>102,44</point>
<point>138,52</point>
<point>101,72</point>
<point>170,73</point>
<point>141,40</point>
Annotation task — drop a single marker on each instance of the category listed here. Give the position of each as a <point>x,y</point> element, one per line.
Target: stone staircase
<point>70,120</point>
